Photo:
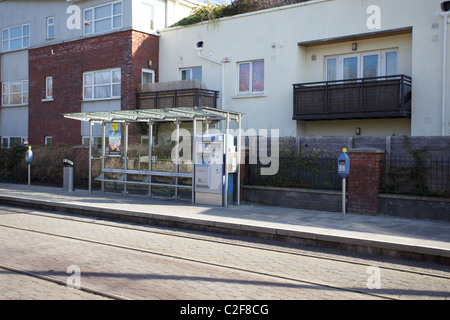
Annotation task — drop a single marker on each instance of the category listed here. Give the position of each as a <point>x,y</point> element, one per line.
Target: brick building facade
<point>130,51</point>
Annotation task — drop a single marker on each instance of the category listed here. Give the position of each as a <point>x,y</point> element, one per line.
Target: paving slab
<point>394,236</point>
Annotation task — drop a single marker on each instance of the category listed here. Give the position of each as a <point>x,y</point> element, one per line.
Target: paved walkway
<point>412,238</point>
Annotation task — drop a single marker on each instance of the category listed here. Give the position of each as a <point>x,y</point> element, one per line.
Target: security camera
<point>445,6</point>
<point>199,45</point>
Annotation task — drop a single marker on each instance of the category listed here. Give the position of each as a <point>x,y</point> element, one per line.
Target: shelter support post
<point>103,152</point>
<point>150,154</point>
<point>90,155</point>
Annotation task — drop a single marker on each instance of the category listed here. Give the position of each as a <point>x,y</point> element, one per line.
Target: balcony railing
<point>364,98</point>
<point>177,98</point>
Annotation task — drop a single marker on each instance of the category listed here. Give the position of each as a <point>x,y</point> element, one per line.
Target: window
<point>191,73</point>
<point>251,77</point>
<point>14,93</point>
<point>362,65</point>
<point>49,88</point>
<point>103,18</point>
<point>9,142</point>
<point>48,140</point>
<point>103,84</point>
<point>50,27</point>
<point>148,76</point>
<point>16,38</point>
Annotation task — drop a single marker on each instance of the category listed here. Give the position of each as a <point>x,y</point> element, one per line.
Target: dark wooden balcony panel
<point>177,98</point>
<point>365,98</point>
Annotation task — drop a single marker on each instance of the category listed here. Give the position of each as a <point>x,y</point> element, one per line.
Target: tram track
<point>57,281</point>
<point>221,241</point>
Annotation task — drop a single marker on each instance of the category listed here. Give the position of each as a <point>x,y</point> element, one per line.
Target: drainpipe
<point>446,16</point>
<point>223,72</point>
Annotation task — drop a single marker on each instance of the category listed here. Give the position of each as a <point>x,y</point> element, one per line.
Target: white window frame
<point>7,93</point>
<point>48,140</point>
<point>191,73</point>
<point>50,26</point>
<point>340,63</point>
<point>24,43</point>
<point>49,87</point>
<point>152,72</point>
<point>93,85</point>
<point>91,22</point>
<point>250,91</point>
<point>8,138</point>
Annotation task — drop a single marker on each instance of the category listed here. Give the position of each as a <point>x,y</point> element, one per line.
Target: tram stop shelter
<point>180,173</point>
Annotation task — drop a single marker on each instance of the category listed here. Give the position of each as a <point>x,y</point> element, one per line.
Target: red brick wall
<point>366,168</point>
<point>129,50</point>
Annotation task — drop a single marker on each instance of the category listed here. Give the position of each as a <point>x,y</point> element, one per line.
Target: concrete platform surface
<point>386,235</point>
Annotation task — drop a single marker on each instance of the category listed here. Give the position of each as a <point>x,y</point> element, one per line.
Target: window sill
<point>14,105</point>
<point>47,99</point>
<point>252,95</point>
<point>103,99</point>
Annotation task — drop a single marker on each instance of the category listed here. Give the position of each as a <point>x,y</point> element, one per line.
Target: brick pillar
<point>366,167</point>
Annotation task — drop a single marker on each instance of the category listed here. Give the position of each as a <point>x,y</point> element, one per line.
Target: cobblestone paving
<point>186,265</point>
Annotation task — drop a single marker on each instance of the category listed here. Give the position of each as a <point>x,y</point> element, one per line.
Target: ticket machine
<point>211,164</point>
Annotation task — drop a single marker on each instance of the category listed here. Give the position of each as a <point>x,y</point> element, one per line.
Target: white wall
<point>273,35</point>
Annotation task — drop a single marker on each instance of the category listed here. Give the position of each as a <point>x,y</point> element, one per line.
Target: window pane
<point>116,76</point>
<point>25,98</point>
<point>26,42</point>
<point>26,30</point>
<point>88,93</point>
<point>370,66</point>
<point>16,87</point>
<point>102,25</point>
<point>117,22</point>
<point>197,74</point>
<point>244,77</point>
<point>102,92</point>
<point>15,141</point>
<point>185,74</point>
<point>117,8</point>
<point>25,86</point>
<point>5,100</point>
<point>87,28</point>
<point>332,69</point>
<point>88,79</point>
<point>102,12</point>
<point>350,68</point>
<point>5,87</point>
<point>88,15</point>
<point>51,32</point>
<point>103,77</point>
<point>147,77</point>
<point>391,63</point>
<point>5,34</point>
<point>16,32</point>
<point>16,44</point>
<point>49,85</point>
<point>258,76</point>
<point>16,98</point>
<point>5,46</point>
<point>116,90</point>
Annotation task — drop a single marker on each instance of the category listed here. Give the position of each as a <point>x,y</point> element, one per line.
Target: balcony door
<point>361,65</point>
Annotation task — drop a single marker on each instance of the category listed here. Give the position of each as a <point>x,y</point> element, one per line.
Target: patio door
<point>361,65</point>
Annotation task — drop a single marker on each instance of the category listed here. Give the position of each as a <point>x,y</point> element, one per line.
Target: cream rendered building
<point>255,59</point>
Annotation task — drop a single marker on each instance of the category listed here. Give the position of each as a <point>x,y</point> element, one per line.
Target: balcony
<point>364,98</point>
<point>177,98</point>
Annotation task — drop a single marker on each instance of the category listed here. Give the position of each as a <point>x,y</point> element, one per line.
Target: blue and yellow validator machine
<point>343,171</point>
<point>214,169</point>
